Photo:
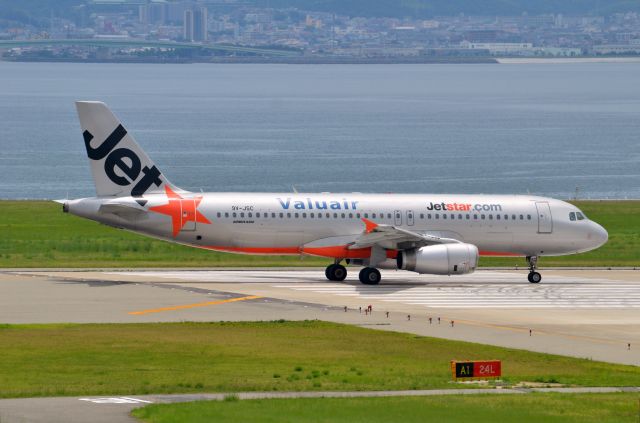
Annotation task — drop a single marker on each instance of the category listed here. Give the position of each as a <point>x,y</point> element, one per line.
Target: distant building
<point>153,13</point>
<point>195,24</point>
<point>499,48</point>
<point>616,49</point>
<point>521,49</point>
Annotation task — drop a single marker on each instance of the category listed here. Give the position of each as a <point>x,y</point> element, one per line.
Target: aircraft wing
<point>391,237</point>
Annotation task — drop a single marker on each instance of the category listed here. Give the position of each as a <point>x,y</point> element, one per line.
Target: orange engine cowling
<point>440,259</point>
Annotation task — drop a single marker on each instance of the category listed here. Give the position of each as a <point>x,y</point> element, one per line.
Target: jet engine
<point>440,259</point>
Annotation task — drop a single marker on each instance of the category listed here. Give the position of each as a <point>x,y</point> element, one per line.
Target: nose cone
<point>598,235</point>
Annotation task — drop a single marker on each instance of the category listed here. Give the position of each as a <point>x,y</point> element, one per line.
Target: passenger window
<point>304,215</point>
<point>343,215</point>
<point>335,215</point>
<point>273,215</point>
<point>453,216</point>
<point>421,215</point>
<point>429,216</point>
<point>528,217</point>
<point>475,217</point>
<point>506,217</point>
<point>219,214</point>
<point>257,214</point>
<point>350,215</point>
<point>234,214</point>
<point>289,215</point>
<point>444,216</point>
<point>226,214</point>
<point>312,215</point>
<point>468,216</point>
<point>521,217</point>
<point>281,215</point>
<point>358,215</point>
<point>250,214</point>
<point>296,215</point>
<point>482,216</point>
<point>490,217</point>
<point>319,215</point>
<point>460,216</point>
<point>373,216</point>
<point>513,217</point>
<point>388,215</point>
<point>437,215</point>
<point>497,217</point>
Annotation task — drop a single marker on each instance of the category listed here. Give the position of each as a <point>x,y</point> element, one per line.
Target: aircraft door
<point>545,222</point>
<point>398,217</point>
<point>410,217</point>
<point>188,214</point>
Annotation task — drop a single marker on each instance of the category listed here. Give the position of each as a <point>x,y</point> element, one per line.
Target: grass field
<point>38,234</point>
<point>565,408</point>
<point>129,359</point>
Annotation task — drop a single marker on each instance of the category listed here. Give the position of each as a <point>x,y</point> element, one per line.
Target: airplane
<point>424,233</point>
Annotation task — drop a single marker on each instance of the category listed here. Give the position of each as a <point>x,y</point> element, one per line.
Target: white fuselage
<point>323,224</point>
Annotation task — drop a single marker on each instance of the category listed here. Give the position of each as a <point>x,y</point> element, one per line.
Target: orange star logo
<point>181,210</point>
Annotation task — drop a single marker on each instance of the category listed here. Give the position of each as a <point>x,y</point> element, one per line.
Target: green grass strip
<point>130,359</point>
<point>534,408</point>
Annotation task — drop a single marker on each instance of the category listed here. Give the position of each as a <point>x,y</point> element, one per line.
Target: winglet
<point>369,225</point>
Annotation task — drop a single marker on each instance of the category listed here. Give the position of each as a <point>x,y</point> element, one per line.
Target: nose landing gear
<point>534,277</point>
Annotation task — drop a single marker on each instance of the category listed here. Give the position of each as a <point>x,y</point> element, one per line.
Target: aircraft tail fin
<point>118,165</point>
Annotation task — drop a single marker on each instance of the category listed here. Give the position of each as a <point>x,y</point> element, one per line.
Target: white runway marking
<point>115,400</point>
<point>483,289</point>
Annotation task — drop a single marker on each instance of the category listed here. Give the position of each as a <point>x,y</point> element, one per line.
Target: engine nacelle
<point>440,259</point>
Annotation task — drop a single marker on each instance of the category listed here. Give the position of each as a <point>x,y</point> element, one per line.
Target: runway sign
<point>476,369</point>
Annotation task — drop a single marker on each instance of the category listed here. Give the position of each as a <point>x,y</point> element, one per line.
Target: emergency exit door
<point>398,217</point>
<point>545,223</point>
<point>410,217</point>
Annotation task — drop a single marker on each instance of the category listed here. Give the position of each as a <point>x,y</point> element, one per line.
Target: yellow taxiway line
<point>181,307</point>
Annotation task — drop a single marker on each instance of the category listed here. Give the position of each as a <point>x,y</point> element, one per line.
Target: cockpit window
<point>572,216</point>
<point>580,216</point>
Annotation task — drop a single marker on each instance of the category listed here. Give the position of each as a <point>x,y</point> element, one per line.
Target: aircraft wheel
<point>534,277</point>
<point>336,272</point>
<point>370,276</point>
<point>339,272</point>
<point>328,272</point>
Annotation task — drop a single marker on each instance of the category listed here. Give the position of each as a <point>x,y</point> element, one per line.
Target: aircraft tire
<point>370,276</point>
<point>329,272</point>
<point>339,273</point>
<point>534,277</point>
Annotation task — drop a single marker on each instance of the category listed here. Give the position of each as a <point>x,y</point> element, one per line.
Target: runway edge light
<point>474,370</point>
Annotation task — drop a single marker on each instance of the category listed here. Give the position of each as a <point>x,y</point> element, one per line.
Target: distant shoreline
<point>319,60</point>
<point>555,60</point>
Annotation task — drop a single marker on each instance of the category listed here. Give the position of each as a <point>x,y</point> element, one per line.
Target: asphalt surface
<point>118,408</point>
<point>589,314</point>
<point>583,313</point>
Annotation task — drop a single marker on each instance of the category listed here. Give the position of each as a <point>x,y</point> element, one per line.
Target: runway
<point>485,289</point>
<point>590,313</point>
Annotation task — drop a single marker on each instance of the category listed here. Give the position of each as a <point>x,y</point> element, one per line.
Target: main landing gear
<point>534,277</point>
<point>370,276</point>
<point>336,272</point>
